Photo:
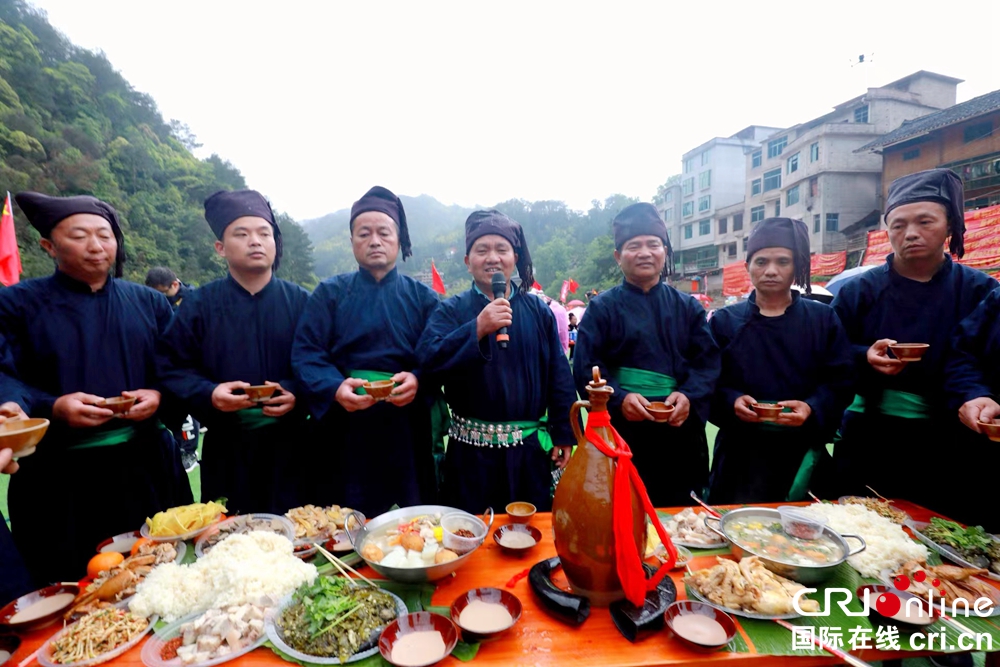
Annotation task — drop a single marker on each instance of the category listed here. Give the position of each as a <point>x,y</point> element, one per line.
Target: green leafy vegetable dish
<point>973,543</point>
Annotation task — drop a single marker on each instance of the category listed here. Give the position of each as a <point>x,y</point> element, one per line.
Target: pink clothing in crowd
<point>562,323</point>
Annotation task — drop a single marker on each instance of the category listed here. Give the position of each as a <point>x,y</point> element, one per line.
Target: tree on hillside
<point>658,198</point>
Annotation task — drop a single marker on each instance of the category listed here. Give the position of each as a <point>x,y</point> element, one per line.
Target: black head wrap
<point>642,220</point>
<point>45,212</point>
<point>784,233</point>
<point>483,223</point>
<point>384,201</point>
<point>225,206</point>
<point>937,185</point>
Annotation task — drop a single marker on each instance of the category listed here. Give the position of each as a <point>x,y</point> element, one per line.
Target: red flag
<point>10,256</point>
<point>573,285</point>
<point>436,283</point>
<point>562,292</point>
<point>537,286</point>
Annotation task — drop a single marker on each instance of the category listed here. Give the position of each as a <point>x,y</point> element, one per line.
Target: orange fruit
<point>138,543</point>
<point>102,562</point>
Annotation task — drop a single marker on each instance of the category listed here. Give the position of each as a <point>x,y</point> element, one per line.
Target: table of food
<point>850,580</point>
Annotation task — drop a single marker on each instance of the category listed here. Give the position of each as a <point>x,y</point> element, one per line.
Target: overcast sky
<point>476,102</point>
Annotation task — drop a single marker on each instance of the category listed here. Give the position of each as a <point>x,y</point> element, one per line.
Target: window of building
<point>688,209</point>
<point>817,222</point>
<point>832,222</point>
<point>861,114</point>
<point>738,222</point>
<point>775,147</point>
<point>689,165</point>
<point>688,186</point>
<point>706,157</point>
<point>745,238</point>
<point>772,179</point>
<point>688,231</point>
<point>668,197</point>
<point>755,187</point>
<point>792,197</point>
<point>813,187</point>
<point>668,214</point>
<point>705,203</point>
<point>705,179</point>
<point>670,234</point>
<point>793,163</point>
<point>911,154</point>
<point>731,252</point>
<point>723,225</point>
<point>704,227</point>
<point>777,207</point>
<point>977,131</point>
<point>814,152</point>
<point>756,214</point>
<point>755,159</point>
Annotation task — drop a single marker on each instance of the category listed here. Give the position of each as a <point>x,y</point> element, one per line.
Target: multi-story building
<point>814,172</point>
<point>670,210</point>
<point>713,178</point>
<point>964,138</point>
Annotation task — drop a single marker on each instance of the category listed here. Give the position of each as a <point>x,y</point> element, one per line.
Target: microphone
<point>499,284</point>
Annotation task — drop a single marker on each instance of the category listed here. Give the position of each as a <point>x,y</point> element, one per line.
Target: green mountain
<point>564,243</point>
<point>71,124</point>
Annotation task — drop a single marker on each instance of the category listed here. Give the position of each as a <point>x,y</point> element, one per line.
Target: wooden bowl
<point>380,389</point>
<point>260,392</point>
<point>118,404</point>
<point>687,607</point>
<point>10,644</point>
<point>990,429</point>
<point>421,621</point>
<point>21,435</point>
<point>768,412</point>
<point>489,595</point>
<point>520,512</point>
<point>661,411</point>
<point>26,601</point>
<point>517,528</point>
<point>909,351</point>
<point>120,543</point>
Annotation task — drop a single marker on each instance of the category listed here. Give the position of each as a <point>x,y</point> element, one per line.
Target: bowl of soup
<point>758,531</point>
<point>418,640</point>
<point>517,539</point>
<point>485,613</point>
<point>39,609</point>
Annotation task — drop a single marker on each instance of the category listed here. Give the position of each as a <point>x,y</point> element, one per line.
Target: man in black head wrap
<point>74,339</point>
<point>510,406</point>
<point>235,333</point>
<point>364,327</point>
<point>777,347</point>
<point>652,343</point>
<point>919,295</point>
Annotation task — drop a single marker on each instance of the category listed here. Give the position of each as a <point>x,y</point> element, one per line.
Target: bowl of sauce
<point>418,640</point>
<point>39,609</point>
<point>8,646</point>
<point>517,539</point>
<point>912,616</point>
<point>485,613</point>
<point>700,626</point>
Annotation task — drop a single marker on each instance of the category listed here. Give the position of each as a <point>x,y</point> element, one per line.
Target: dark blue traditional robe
<point>800,355</point>
<point>904,415</point>
<point>373,458</point>
<point>518,384</point>
<point>61,338</point>
<point>16,579</point>
<point>223,333</point>
<point>973,371</point>
<point>666,332</point>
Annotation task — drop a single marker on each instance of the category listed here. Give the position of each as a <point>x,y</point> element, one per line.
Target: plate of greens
<point>966,546</point>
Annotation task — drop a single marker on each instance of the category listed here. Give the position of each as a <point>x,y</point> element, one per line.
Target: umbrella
<point>838,280</point>
<point>578,311</point>
<point>575,303</point>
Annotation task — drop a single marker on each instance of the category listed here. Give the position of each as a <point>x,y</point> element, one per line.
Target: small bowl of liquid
<point>418,640</point>
<point>119,405</point>
<point>517,539</point>
<point>768,412</point>
<point>991,430</point>
<point>485,613</point>
<point>700,626</point>
<point>909,351</point>
<point>661,411</point>
<point>261,392</point>
<point>39,609</point>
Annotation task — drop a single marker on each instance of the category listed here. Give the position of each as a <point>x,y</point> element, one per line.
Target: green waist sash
<point>647,383</point>
<point>896,404</point>
<point>502,434</point>
<point>251,418</point>
<point>368,376</point>
<point>108,438</point>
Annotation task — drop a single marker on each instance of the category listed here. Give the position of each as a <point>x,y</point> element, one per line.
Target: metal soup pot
<point>804,574</point>
<point>417,575</point>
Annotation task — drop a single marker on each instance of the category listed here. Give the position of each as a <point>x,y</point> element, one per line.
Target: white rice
<point>256,568</point>
<point>888,546</point>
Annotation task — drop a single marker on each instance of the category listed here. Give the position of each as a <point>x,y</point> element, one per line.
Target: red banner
<point>829,264</point>
<point>735,280</point>
<point>982,241</point>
